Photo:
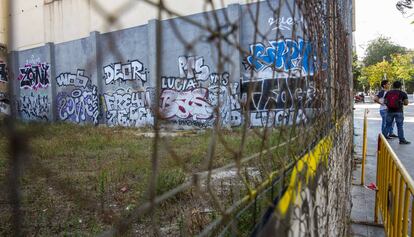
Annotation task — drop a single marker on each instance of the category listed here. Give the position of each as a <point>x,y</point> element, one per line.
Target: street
<point>404,152</point>
<point>363,199</point>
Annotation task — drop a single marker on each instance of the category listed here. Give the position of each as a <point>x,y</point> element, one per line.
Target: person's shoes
<point>392,135</point>
<point>405,142</point>
<point>388,137</point>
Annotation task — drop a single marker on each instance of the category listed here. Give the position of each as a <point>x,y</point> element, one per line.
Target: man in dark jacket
<point>379,98</point>
<point>395,99</point>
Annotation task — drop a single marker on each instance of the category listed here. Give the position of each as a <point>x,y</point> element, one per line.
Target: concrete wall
<point>112,78</point>
<point>317,201</point>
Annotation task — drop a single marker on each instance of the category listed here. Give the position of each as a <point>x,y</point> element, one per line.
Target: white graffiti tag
<point>134,70</point>
<point>125,108</point>
<point>192,67</point>
<point>68,79</point>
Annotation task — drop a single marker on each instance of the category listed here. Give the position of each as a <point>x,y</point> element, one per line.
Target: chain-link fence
<point>234,121</point>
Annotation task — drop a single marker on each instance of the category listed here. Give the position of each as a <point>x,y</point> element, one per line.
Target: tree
<point>356,72</point>
<point>374,74</point>
<point>381,48</point>
<point>403,67</point>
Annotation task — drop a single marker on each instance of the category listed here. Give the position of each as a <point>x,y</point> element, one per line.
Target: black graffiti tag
<point>34,76</point>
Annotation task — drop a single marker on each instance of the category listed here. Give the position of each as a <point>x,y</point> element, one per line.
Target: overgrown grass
<point>79,180</point>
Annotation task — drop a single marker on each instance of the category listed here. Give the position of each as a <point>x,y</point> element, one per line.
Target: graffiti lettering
<point>268,94</point>
<point>125,108</point>
<point>3,72</point>
<point>68,79</point>
<point>195,123</point>
<point>276,118</point>
<point>283,55</point>
<point>196,92</point>
<point>79,105</point>
<point>217,79</point>
<point>178,84</point>
<point>283,23</point>
<point>186,104</point>
<point>34,76</point>
<point>133,70</point>
<point>227,102</point>
<point>192,67</point>
<point>34,107</point>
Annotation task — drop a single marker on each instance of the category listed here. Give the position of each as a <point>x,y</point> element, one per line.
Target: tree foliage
<point>400,68</point>
<point>378,72</point>
<point>403,66</point>
<point>356,72</point>
<point>381,48</point>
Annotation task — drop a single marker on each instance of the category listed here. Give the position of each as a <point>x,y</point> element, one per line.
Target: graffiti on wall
<point>34,107</point>
<point>3,72</point>
<point>34,103</point>
<point>279,101</point>
<point>129,108</point>
<point>303,207</point>
<point>69,79</point>
<point>4,98</point>
<point>285,22</point>
<point>193,68</point>
<point>4,103</point>
<point>34,76</point>
<point>131,71</point>
<point>283,55</point>
<point>279,78</point>
<point>190,99</point>
<point>79,104</point>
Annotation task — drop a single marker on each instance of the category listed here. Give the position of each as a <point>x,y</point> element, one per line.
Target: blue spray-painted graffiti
<point>34,76</point>
<point>283,55</point>
<point>80,104</point>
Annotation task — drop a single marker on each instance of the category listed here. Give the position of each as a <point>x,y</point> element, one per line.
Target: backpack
<point>392,100</point>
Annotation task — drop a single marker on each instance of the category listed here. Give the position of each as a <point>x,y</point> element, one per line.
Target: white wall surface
<point>36,22</point>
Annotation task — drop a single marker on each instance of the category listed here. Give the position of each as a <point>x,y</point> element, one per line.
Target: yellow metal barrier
<point>364,147</point>
<point>395,192</point>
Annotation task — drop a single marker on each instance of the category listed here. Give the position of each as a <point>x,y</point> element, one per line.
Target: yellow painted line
<point>308,165</point>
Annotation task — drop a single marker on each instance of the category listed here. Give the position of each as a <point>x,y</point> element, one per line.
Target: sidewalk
<point>363,199</point>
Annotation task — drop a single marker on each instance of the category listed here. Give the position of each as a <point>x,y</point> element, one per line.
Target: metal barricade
<point>395,192</point>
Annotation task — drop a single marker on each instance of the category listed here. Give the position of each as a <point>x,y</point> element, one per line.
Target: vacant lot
<point>79,180</point>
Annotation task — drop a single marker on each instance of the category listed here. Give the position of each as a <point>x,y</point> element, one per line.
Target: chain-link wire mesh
<point>261,102</point>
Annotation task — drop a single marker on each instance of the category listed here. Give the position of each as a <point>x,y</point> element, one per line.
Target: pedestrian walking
<point>379,98</point>
<point>395,99</point>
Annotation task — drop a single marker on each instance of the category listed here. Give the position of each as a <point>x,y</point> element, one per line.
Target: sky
<point>381,17</point>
